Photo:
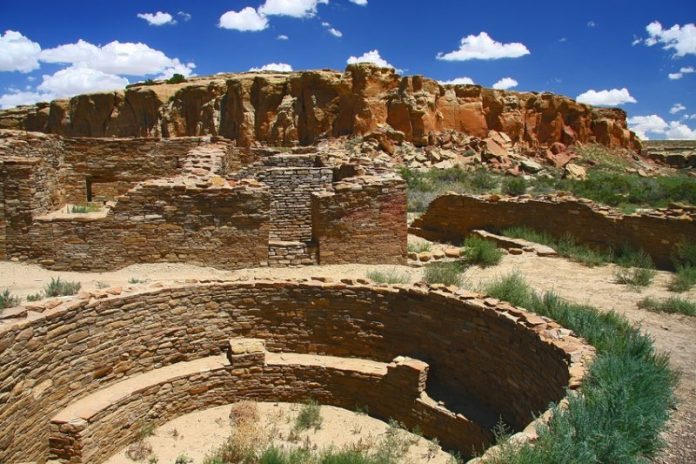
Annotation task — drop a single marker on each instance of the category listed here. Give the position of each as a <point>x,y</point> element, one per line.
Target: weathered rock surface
<point>300,108</point>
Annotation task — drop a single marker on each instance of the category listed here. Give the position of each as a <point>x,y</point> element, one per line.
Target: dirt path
<point>674,334</point>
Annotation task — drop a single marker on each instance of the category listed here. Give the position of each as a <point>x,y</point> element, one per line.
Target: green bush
<point>447,273</point>
<point>635,276</point>
<point>482,252</point>
<point>35,297</point>
<point>309,417</point>
<point>176,79</point>
<point>7,300</point>
<point>671,305</point>
<point>514,186</point>
<point>625,399</point>
<point>684,279</point>
<point>392,276</point>
<point>58,287</point>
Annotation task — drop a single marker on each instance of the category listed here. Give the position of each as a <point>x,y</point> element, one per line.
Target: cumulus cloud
<point>676,108</point>
<point>293,8</point>
<point>645,126</point>
<point>283,37</point>
<point>133,59</point>
<point>76,80</point>
<point>681,73</point>
<point>157,19</point>
<point>606,97</point>
<point>458,81</point>
<point>16,98</point>
<point>483,47</point>
<point>373,57</point>
<point>245,20</point>
<point>280,67</point>
<point>681,39</point>
<point>18,53</point>
<point>505,83</point>
<point>332,30</point>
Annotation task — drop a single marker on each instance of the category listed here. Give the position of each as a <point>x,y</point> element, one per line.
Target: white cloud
<point>505,83</point>
<point>18,53</point>
<point>332,30</point>
<point>359,2</point>
<point>681,73</point>
<point>293,8</point>
<point>157,19</point>
<point>133,59</point>
<point>591,24</point>
<point>283,37</point>
<point>245,20</point>
<point>16,98</point>
<point>370,57</point>
<point>280,67</point>
<point>483,47</point>
<point>606,97</point>
<point>654,124</point>
<point>184,15</point>
<point>77,80</point>
<point>676,108</point>
<point>458,81</point>
<point>681,39</point>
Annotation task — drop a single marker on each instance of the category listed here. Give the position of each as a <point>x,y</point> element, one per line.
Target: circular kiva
<point>79,378</point>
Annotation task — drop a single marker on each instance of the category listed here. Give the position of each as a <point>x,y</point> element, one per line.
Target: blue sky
<point>638,55</point>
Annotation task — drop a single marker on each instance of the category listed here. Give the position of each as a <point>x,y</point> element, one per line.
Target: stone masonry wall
<point>361,221</point>
<point>159,221</point>
<point>453,216</point>
<point>510,360</point>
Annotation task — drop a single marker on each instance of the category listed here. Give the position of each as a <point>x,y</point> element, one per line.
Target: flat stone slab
<point>508,242</point>
<point>364,366</point>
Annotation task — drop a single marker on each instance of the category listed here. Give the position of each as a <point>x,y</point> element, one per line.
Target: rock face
<point>302,107</point>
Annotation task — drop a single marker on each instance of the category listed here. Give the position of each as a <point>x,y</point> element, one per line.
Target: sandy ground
<point>674,334</point>
<point>196,434</point>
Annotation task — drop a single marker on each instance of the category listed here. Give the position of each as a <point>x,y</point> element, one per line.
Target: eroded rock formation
<point>303,107</point>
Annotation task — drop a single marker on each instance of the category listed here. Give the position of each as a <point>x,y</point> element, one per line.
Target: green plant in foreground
<point>391,276</point>
<point>58,287</point>
<point>482,252</point>
<point>7,300</point>
<point>309,416</point>
<point>672,305</point>
<point>625,398</point>
<point>449,273</point>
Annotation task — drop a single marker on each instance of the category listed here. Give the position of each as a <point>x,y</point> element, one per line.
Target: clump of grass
<point>58,287</point>
<point>8,300</point>
<point>684,279</point>
<point>183,459</point>
<point>448,273</point>
<point>419,247</point>
<point>35,296</point>
<point>136,280</point>
<point>672,305</point>
<point>482,252</point>
<point>246,440</point>
<point>626,396</point>
<point>514,186</point>
<point>391,276</point>
<point>309,417</point>
<point>635,276</point>
<point>83,209</point>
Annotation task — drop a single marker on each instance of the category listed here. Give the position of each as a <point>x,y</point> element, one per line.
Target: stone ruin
<point>197,200</point>
<point>80,377</point>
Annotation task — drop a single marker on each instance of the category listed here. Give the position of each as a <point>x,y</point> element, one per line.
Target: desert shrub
<point>639,269</point>
<point>58,287</point>
<point>247,438</point>
<point>671,305</point>
<point>448,273</point>
<point>635,276</point>
<point>514,186</point>
<point>419,247</point>
<point>482,252</point>
<point>8,300</point>
<point>183,459</point>
<point>482,180</point>
<point>309,417</point>
<point>626,396</point>
<point>684,279</point>
<point>392,276</point>
<point>35,297</point>
<point>176,79</point>
<point>685,254</point>
<point>136,280</point>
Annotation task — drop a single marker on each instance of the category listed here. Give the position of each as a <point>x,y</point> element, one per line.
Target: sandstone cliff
<point>303,107</point>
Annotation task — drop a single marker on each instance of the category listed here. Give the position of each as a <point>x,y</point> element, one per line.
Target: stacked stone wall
<point>361,221</point>
<point>659,232</point>
<point>510,360</point>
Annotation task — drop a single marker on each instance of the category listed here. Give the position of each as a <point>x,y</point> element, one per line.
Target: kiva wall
<point>510,360</point>
<point>453,216</point>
